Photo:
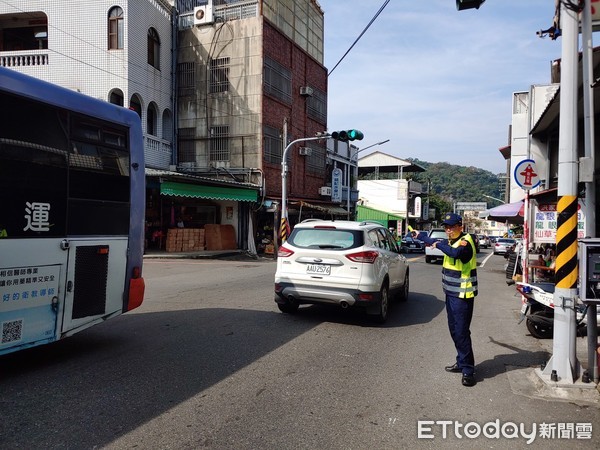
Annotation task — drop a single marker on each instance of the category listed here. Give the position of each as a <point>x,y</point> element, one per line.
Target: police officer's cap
<point>452,219</point>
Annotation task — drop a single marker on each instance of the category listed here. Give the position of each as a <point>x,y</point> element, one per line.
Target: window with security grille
<point>186,74</point>
<point>153,48</point>
<point>315,163</point>
<point>219,75</point>
<point>316,106</point>
<point>186,145</point>
<point>277,80</point>
<point>272,144</point>
<point>219,143</point>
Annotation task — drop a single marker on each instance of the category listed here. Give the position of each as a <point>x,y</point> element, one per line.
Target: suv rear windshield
<point>326,238</point>
<point>438,234</point>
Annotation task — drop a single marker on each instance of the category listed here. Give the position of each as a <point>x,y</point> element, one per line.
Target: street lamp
<point>494,198</point>
<point>352,156</point>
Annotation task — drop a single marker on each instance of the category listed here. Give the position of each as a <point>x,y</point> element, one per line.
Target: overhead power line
<point>361,34</point>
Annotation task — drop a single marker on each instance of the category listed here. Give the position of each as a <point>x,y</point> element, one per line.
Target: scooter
<point>538,309</point>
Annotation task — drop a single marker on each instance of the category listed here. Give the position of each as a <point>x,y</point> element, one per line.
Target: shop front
<point>189,213</point>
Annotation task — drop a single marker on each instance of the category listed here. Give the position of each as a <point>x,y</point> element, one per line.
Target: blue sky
<point>437,82</point>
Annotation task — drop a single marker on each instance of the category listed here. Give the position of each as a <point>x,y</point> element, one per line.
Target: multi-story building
<point>250,80</point>
<point>119,52</point>
<point>221,88</point>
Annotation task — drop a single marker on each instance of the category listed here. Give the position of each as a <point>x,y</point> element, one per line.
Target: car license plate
<point>524,308</point>
<point>318,269</point>
<point>412,245</point>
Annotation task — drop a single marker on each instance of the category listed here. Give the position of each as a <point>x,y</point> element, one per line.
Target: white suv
<point>432,254</point>
<point>356,264</point>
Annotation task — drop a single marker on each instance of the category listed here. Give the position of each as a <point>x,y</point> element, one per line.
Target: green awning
<point>365,213</point>
<point>208,192</point>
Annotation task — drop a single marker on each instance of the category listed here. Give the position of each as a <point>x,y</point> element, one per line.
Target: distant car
<point>503,245</point>
<point>433,254</point>
<point>412,245</point>
<point>439,234</point>
<point>344,263</point>
<point>476,242</point>
<point>484,241</point>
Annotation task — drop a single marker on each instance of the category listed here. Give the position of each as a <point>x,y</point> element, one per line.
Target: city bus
<point>72,202</point>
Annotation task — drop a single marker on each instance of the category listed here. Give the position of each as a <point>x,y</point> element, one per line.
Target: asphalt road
<point>208,361</point>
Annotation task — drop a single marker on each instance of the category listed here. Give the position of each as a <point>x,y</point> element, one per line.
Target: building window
<point>115,28</point>
<point>135,104</point>
<point>186,73</point>
<point>186,145</point>
<point>277,80</point>
<point>116,97</point>
<point>151,119</point>
<point>219,143</point>
<point>316,106</point>
<point>24,32</point>
<point>153,48</point>
<point>219,75</point>
<point>315,163</point>
<point>273,145</point>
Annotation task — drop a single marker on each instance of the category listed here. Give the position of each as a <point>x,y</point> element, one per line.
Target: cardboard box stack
<point>185,240</point>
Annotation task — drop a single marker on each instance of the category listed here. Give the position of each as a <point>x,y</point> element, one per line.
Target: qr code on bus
<point>11,331</point>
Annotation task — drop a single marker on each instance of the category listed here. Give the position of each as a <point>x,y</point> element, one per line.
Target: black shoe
<point>453,368</point>
<point>468,380</point>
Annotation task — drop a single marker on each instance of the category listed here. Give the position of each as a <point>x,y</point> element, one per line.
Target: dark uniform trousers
<point>460,313</point>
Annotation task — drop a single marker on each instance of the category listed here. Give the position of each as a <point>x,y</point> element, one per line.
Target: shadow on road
<point>518,358</point>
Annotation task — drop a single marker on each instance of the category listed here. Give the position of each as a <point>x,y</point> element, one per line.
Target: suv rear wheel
<point>381,316</point>
<point>289,306</point>
<point>403,294</point>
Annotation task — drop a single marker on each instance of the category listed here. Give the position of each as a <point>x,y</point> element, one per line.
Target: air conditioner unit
<point>203,14</point>
<point>325,190</point>
<point>306,91</point>
<point>305,151</point>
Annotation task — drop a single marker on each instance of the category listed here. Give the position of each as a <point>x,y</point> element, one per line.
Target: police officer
<point>459,281</point>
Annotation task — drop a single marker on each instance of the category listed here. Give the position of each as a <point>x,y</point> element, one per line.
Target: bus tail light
<point>137,286</point>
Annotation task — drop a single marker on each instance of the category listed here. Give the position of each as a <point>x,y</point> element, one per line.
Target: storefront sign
<point>545,223</point>
<point>336,185</point>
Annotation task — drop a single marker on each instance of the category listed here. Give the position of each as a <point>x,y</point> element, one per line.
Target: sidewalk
<point>206,254</point>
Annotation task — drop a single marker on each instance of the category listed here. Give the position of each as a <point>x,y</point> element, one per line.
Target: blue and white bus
<point>72,200</point>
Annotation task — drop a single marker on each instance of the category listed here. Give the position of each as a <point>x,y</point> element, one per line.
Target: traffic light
<point>468,4</point>
<point>347,135</point>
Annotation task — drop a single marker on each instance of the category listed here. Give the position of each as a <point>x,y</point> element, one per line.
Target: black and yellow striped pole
<point>563,367</point>
<point>284,229</point>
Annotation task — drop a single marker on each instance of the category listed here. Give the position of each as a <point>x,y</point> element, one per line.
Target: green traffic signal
<point>355,135</point>
<point>347,135</point>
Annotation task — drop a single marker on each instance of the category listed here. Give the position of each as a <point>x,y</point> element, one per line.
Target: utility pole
<point>563,366</point>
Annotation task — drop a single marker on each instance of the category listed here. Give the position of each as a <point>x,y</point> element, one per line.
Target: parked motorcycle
<point>538,309</point>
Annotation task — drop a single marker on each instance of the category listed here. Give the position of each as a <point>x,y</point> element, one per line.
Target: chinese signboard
<point>26,296</point>
<point>545,223</point>
<point>336,185</point>
<point>471,206</point>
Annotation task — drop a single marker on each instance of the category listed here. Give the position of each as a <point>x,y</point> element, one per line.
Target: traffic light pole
<point>284,168</point>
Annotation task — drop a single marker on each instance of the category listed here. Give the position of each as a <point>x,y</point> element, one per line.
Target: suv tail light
<point>284,252</point>
<point>367,257</point>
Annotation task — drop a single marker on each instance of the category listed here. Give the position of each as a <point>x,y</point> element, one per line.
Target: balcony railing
<point>158,152</point>
<point>13,59</point>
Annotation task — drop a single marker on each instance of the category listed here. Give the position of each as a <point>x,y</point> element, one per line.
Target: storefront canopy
<point>171,188</point>
<point>509,212</point>
<point>365,213</point>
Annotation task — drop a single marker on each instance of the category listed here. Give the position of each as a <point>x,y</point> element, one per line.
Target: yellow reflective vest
<point>460,279</point>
